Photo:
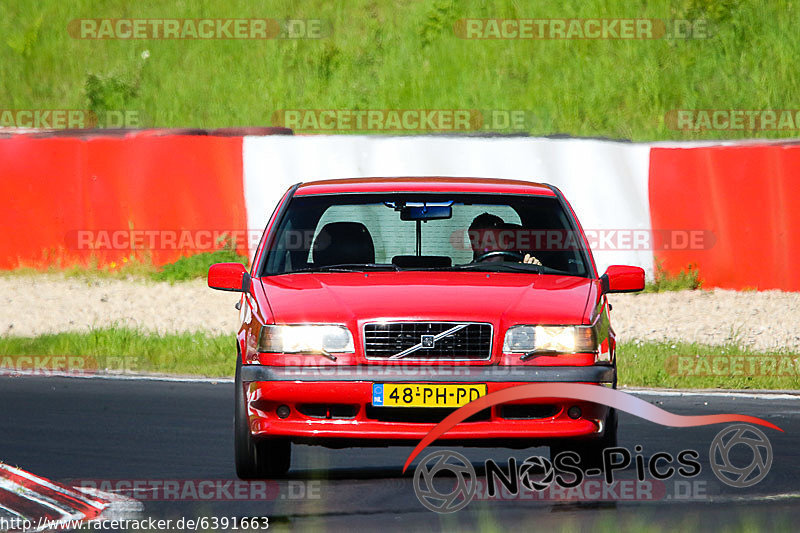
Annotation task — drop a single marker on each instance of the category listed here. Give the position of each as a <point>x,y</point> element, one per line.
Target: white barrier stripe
<point>12,511</point>
<point>130,377</point>
<point>724,394</point>
<point>42,500</point>
<point>607,183</point>
<point>56,488</point>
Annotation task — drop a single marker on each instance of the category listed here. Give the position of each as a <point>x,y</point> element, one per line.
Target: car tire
<point>255,458</point>
<point>590,451</point>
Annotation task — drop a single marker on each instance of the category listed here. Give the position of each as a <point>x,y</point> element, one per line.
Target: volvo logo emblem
<point>426,342</point>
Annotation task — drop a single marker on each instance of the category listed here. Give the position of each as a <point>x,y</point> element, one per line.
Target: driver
<point>485,236</point>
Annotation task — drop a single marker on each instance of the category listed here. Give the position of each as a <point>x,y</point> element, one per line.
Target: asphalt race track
<point>101,429</point>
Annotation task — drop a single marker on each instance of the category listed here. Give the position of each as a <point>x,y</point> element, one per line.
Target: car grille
<point>468,341</point>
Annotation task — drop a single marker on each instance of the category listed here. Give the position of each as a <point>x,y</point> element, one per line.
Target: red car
<point>377,306</point>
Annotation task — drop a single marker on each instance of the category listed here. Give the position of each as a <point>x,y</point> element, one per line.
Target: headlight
<point>565,339</point>
<point>303,338</point>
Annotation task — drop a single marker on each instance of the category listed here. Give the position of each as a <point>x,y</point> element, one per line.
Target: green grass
<point>640,363</point>
<point>401,54</point>
<point>196,266</point>
<point>648,364</point>
<point>688,279</point>
<point>120,349</point>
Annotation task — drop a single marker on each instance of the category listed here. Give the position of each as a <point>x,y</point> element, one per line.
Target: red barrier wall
<point>55,187</point>
<point>748,196</point>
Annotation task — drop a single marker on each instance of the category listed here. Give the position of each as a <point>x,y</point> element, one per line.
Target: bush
<point>664,281</point>
<point>196,266</point>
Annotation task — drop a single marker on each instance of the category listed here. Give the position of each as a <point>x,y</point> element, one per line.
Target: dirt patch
<point>33,305</point>
<point>760,320</point>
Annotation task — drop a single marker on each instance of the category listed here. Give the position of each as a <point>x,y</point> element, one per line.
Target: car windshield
<point>524,234</point>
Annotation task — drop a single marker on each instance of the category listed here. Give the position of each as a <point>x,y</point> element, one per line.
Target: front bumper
<point>330,404</point>
<point>432,374</point>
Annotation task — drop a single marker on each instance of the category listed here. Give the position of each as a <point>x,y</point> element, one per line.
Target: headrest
<point>341,243</point>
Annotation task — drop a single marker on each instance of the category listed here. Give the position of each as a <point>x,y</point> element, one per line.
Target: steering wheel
<point>497,253</point>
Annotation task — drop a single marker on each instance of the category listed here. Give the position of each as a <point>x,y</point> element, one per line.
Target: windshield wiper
<point>494,267</point>
<point>520,267</point>
<point>348,267</point>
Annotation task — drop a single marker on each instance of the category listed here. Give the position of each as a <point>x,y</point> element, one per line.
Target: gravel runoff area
<point>50,303</point>
<point>33,305</point>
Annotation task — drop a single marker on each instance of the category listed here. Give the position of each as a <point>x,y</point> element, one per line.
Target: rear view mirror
<point>229,277</point>
<point>622,278</point>
<point>426,212</point>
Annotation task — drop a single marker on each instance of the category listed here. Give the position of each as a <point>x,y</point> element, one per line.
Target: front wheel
<point>590,451</point>
<point>255,458</point>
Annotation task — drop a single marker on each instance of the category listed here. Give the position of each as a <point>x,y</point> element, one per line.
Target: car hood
<point>500,298</point>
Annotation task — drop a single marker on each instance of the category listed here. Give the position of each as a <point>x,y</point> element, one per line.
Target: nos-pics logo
<point>457,480</point>
<point>539,472</point>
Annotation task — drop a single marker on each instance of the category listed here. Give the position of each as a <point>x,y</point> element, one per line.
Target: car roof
<point>423,184</point>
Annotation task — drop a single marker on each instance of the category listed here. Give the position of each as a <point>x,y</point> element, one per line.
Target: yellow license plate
<point>425,394</point>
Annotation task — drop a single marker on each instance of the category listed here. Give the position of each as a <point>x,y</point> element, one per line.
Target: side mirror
<point>622,278</point>
<point>229,277</point>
